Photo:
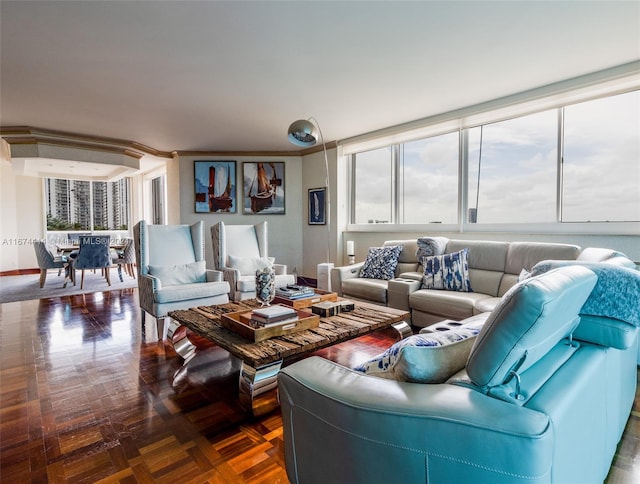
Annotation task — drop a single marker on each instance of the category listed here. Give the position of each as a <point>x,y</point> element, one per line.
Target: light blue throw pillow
<point>180,274</point>
<point>449,272</point>
<point>381,262</point>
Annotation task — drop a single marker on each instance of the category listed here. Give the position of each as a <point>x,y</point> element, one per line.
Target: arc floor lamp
<point>306,133</point>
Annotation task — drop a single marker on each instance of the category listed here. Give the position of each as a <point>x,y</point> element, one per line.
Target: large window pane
<point>373,186</point>
<point>84,205</point>
<point>514,180</point>
<point>430,180</point>
<point>601,169</point>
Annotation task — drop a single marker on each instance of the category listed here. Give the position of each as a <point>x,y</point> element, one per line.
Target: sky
<point>518,182</point>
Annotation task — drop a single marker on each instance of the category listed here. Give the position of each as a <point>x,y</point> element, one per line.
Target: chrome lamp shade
<point>303,133</point>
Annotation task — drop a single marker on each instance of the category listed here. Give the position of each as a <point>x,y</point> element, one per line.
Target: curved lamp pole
<point>304,132</point>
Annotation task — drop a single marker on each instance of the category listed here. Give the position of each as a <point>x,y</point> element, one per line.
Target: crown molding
<point>21,135</point>
<point>15,135</point>
<point>235,153</point>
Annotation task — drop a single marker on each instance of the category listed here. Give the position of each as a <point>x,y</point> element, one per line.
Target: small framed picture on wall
<point>263,188</point>
<point>215,187</point>
<point>317,206</point>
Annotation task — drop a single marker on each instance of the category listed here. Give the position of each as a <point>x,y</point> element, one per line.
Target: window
<point>87,205</point>
<point>430,180</point>
<point>374,183</point>
<point>574,163</point>
<point>601,169</point>
<point>512,170</point>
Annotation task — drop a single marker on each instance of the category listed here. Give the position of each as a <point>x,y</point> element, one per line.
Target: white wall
<point>285,231</point>
<point>21,219</point>
<point>314,237</point>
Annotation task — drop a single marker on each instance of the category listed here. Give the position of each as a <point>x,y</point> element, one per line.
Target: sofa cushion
<point>249,265</point>
<point>426,358</point>
<point>193,272</point>
<point>605,331</point>
<point>381,262</point>
<point>374,290</point>
<point>530,320</point>
<point>183,292</point>
<point>486,260</point>
<point>446,304</point>
<point>448,271</point>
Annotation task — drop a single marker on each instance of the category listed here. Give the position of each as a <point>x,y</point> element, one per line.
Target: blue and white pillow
<point>425,358</point>
<point>381,262</point>
<point>448,271</point>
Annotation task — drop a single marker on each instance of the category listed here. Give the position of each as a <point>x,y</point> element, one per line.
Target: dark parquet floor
<point>88,395</point>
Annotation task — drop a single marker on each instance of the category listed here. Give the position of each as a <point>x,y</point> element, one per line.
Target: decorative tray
<point>240,322</point>
<point>320,296</point>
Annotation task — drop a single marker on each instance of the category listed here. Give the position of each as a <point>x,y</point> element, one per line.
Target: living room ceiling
<point>231,76</point>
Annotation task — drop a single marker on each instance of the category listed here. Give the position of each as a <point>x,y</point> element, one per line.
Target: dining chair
<point>126,258</point>
<point>94,253</point>
<point>46,260</point>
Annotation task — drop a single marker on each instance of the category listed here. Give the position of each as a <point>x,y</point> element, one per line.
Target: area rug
<point>25,287</point>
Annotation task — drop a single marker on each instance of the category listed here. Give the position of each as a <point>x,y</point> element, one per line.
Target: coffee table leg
<point>259,387</point>
<point>403,328</point>
<point>179,340</point>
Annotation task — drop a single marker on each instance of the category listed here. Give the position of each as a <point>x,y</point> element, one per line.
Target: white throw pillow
<point>249,265</point>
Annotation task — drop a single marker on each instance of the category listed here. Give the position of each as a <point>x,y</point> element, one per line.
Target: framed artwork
<point>263,188</point>
<point>215,187</point>
<point>317,206</point>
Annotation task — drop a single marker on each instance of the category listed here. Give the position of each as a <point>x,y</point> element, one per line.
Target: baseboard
<point>20,272</point>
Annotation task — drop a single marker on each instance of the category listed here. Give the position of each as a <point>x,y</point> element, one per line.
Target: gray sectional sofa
<point>494,267</point>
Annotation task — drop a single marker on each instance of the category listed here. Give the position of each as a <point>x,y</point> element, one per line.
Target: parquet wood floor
<point>88,395</point>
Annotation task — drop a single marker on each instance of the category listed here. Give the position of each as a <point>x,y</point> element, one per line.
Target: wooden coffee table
<point>262,361</point>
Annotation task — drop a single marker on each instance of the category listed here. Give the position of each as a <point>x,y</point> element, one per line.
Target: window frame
<point>476,118</point>
<point>92,228</point>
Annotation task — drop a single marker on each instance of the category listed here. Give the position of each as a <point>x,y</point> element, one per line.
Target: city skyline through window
<point>87,205</point>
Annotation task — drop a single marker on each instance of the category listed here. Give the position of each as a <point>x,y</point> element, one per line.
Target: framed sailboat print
<point>263,188</point>
<point>215,187</point>
<point>317,206</point>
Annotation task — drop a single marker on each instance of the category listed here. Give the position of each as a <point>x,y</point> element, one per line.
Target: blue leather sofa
<point>539,400</point>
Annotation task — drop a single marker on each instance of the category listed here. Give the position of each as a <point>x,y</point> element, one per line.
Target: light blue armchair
<point>537,401</point>
<point>172,271</point>
<point>238,251</point>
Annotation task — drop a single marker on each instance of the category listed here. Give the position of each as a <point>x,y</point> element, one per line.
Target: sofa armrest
<point>398,291</point>
<point>450,431</point>
<point>147,286</point>
<point>339,274</point>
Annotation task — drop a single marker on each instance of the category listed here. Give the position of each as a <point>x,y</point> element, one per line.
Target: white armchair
<point>172,271</point>
<point>238,250</point>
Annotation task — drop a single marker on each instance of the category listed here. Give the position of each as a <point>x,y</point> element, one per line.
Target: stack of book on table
<point>263,323</point>
<point>294,291</point>
<point>273,315</point>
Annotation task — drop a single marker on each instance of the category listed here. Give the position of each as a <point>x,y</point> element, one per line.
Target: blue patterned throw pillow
<point>448,271</point>
<point>381,262</point>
